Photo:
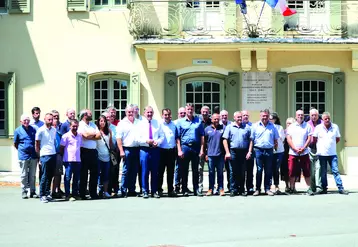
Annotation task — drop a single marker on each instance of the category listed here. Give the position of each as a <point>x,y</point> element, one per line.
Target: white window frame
<point>202,10</point>
<point>221,83</point>
<point>110,93</point>
<point>110,6</point>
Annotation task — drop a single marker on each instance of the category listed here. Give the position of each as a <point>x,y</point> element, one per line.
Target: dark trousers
<point>149,161</point>
<point>177,176</point>
<point>139,174</point>
<point>250,173</point>
<point>72,169</point>
<point>113,185</point>
<point>89,163</point>
<point>227,168</point>
<point>237,169</point>
<point>263,163</point>
<point>167,160</point>
<point>129,171</point>
<point>190,155</point>
<point>48,165</point>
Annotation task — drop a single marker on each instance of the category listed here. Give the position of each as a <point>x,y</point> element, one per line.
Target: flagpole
<point>262,9</point>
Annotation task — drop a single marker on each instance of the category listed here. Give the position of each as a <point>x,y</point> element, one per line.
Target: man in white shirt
<point>298,138</point>
<point>168,152</point>
<point>45,147</point>
<point>327,135</point>
<point>89,162</point>
<point>127,141</point>
<point>150,137</point>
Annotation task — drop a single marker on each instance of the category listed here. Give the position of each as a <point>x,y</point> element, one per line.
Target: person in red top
<point>113,118</point>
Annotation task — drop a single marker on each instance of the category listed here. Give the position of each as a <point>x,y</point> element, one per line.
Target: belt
<point>190,144</point>
<point>264,148</point>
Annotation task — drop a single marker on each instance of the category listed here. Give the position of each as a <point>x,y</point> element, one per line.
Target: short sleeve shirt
<point>238,136</point>
<point>213,138</point>
<point>47,138</point>
<point>89,128</point>
<point>264,136</point>
<point>190,131</point>
<point>299,134</point>
<point>72,146</point>
<point>25,140</point>
<point>326,139</point>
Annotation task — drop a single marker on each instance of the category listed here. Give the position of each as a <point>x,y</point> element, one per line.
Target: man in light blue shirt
<point>264,138</point>
<point>35,122</point>
<point>250,162</point>
<point>168,152</point>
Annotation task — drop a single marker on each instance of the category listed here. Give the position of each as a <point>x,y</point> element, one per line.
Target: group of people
<point>144,148</point>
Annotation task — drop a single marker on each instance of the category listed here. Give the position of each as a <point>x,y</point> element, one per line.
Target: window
<point>311,93</point>
<point>110,91</point>
<point>2,107</point>
<point>107,4</point>
<point>202,92</point>
<point>3,6</point>
<point>202,16</point>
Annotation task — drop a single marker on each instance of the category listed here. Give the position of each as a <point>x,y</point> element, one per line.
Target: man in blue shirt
<point>215,157</point>
<point>24,142</point>
<point>205,121</point>
<point>65,127</point>
<point>264,137</point>
<point>190,148</point>
<point>250,162</point>
<point>35,122</point>
<point>236,144</point>
<point>168,152</point>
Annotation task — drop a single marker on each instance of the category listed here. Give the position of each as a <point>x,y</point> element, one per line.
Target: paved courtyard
<point>296,220</point>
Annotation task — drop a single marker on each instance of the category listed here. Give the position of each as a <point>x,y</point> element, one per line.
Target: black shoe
<point>343,192</point>
<point>156,195</point>
<point>323,192</point>
<point>172,194</point>
<point>177,189</point>
<point>61,192</point>
<point>24,195</point>
<point>232,194</point>
<point>160,192</point>
<point>243,194</point>
<point>145,195</point>
<point>132,194</point>
<point>34,195</point>
<point>189,191</point>
<point>94,197</point>
<point>250,192</point>
<point>56,195</point>
<point>186,194</point>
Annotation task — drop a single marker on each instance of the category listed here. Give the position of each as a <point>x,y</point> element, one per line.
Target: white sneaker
<point>106,195</point>
<point>43,199</point>
<point>49,198</point>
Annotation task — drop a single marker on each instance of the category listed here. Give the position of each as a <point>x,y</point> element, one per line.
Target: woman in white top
<point>279,152</point>
<point>103,146</point>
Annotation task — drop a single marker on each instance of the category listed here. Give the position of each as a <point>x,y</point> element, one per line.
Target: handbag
<point>112,154</point>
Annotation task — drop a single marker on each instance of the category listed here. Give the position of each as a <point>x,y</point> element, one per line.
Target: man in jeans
<point>45,146</point>
<point>327,136</point>
<point>250,162</point>
<point>24,142</point>
<point>264,138</point>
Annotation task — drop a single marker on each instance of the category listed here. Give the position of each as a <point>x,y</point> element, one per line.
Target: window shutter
<point>233,93</point>
<point>335,16</point>
<point>77,5</point>
<point>282,95</point>
<point>134,89</point>
<point>171,93</point>
<point>338,115</point>
<point>19,6</point>
<point>82,91</point>
<point>230,17</point>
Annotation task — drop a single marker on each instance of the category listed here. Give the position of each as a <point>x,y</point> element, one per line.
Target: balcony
<point>170,20</point>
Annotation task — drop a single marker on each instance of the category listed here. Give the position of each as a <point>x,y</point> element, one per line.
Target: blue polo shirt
<point>238,136</point>
<point>37,124</point>
<point>25,139</point>
<point>65,127</point>
<point>264,136</point>
<point>213,140</point>
<point>190,132</point>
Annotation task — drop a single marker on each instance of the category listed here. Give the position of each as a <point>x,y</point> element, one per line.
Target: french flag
<point>282,5</point>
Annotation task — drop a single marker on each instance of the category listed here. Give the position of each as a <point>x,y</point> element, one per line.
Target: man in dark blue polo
<point>250,162</point>
<point>65,126</point>
<point>190,148</point>
<point>205,121</point>
<point>236,143</point>
<point>264,137</point>
<point>24,142</point>
<point>214,154</point>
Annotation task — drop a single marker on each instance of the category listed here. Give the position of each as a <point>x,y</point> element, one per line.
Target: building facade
<point>92,53</point>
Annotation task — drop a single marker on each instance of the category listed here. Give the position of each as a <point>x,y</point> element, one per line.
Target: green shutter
<point>282,95</point>
<point>77,5</point>
<point>134,89</point>
<point>230,18</point>
<point>171,93</point>
<point>19,6</point>
<point>338,115</point>
<point>335,16</point>
<point>10,105</point>
<point>233,93</point>
<point>82,91</point>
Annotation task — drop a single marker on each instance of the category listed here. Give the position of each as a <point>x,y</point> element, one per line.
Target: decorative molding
<point>232,82</point>
<point>151,56</point>
<point>261,58</point>
<point>171,83</point>
<point>245,58</point>
<point>355,59</point>
<point>310,68</point>
<point>195,69</point>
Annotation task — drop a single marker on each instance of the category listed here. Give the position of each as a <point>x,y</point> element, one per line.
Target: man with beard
<point>250,162</point>
<point>65,127</point>
<point>205,121</point>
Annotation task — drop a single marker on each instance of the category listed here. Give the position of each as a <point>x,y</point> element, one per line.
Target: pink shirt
<point>72,146</point>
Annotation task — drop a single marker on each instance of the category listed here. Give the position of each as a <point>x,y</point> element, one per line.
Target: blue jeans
<point>276,164</point>
<point>129,171</point>
<point>190,155</point>
<point>75,169</point>
<point>48,165</point>
<point>237,169</point>
<point>264,163</point>
<point>333,162</point>
<point>149,161</point>
<point>216,162</point>
<point>103,173</point>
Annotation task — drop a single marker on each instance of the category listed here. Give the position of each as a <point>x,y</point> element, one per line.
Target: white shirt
<point>170,135</point>
<point>47,138</point>
<point>326,139</point>
<point>103,152</point>
<point>299,134</point>
<point>281,139</point>
<point>157,132</point>
<point>128,133</point>
<point>88,128</point>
